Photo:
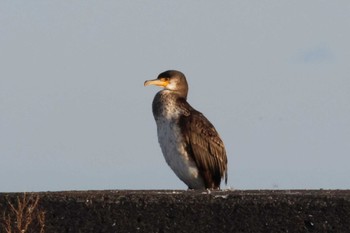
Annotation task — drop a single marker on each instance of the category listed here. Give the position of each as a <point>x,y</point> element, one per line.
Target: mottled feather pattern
<point>174,147</point>
<point>206,144</point>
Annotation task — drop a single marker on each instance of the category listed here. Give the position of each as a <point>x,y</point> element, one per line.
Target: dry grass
<point>24,216</point>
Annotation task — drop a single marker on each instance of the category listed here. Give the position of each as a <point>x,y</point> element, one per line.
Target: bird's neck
<point>171,94</point>
<point>165,105</point>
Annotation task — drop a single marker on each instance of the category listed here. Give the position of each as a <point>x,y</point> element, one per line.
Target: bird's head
<point>171,80</point>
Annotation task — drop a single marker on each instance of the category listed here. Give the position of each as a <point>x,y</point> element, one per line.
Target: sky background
<point>272,76</point>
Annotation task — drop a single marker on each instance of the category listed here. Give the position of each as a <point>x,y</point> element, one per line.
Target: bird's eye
<point>163,79</point>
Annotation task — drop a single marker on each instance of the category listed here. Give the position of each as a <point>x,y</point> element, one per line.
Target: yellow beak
<point>156,82</point>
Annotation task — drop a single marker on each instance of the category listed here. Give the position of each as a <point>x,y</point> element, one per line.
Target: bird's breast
<point>176,153</point>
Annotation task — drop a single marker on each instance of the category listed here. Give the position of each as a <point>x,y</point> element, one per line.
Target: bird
<point>189,142</point>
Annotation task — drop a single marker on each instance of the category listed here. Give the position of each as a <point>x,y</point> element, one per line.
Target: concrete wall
<point>190,211</point>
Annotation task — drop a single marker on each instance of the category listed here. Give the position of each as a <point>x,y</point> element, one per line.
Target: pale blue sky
<point>272,76</point>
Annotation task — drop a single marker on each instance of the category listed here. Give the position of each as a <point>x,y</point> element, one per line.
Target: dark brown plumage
<point>190,144</point>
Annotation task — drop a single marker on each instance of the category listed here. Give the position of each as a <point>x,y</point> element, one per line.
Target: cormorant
<point>190,144</point>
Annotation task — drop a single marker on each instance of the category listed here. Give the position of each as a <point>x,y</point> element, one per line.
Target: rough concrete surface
<point>192,211</point>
